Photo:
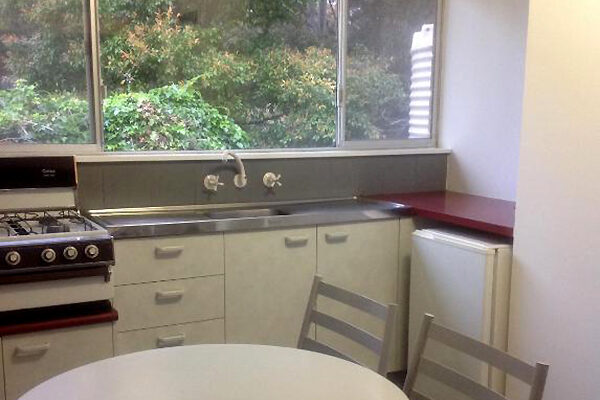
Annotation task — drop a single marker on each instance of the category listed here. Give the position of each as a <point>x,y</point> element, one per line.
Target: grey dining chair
<point>377,345</point>
<point>533,375</point>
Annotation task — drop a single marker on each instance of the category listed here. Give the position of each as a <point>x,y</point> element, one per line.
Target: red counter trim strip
<point>22,325</point>
<point>61,323</point>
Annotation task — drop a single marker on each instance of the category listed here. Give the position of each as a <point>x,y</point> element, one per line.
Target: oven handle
<point>56,273</point>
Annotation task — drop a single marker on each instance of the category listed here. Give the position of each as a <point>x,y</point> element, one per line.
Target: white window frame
<point>94,152</point>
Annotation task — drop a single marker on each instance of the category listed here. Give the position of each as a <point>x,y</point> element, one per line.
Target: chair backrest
<point>379,346</point>
<point>533,375</point>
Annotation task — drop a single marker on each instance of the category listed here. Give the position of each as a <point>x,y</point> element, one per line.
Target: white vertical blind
<point>421,83</point>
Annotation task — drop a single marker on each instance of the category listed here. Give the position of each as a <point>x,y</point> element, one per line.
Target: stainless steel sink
<point>211,218</point>
<point>247,213</point>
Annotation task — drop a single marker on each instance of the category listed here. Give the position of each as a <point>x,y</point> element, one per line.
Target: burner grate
<point>43,222</point>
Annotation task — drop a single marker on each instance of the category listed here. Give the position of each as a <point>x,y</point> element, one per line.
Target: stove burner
<point>52,225</point>
<point>43,222</point>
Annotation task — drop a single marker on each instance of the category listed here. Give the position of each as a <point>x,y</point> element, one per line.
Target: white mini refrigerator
<point>463,279</point>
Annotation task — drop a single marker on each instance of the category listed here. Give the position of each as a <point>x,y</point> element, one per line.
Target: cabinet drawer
<point>32,358</point>
<point>157,259</point>
<point>174,335</point>
<point>150,305</point>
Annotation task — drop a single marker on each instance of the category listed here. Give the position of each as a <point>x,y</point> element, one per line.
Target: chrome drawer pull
<point>168,251</point>
<point>170,341</point>
<point>296,241</point>
<point>170,295</point>
<point>336,237</point>
<point>33,350</point>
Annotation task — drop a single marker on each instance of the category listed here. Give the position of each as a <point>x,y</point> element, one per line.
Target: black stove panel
<point>27,256</point>
<point>37,172</point>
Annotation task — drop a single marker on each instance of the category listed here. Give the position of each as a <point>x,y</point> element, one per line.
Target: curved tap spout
<point>240,180</point>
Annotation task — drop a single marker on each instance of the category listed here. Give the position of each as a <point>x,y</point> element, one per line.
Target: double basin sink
<point>166,221</point>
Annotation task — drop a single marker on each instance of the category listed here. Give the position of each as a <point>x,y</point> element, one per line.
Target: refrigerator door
<point>455,278</point>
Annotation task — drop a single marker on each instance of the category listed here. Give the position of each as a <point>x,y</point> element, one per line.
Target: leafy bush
<point>282,97</point>
<point>377,102</point>
<point>294,99</point>
<point>29,116</point>
<point>154,55</point>
<point>173,117</point>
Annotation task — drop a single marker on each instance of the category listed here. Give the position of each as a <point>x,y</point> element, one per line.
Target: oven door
<point>62,287</point>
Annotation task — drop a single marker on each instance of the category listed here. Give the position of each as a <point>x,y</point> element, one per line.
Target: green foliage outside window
<point>197,75</point>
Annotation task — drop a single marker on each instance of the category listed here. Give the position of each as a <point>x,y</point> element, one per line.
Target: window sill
<point>252,155</point>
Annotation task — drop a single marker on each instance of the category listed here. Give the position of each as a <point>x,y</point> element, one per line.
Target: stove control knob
<point>12,258</point>
<point>70,253</point>
<point>48,255</point>
<point>91,251</point>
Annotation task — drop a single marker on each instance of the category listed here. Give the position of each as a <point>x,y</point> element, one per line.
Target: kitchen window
<point>217,74</point>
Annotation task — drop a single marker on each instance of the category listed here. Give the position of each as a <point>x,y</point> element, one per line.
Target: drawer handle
<point>336,237</point>
<point>170,295</point>
<point>170,341</point>
<point>33,350</point>
<point>296,241</point>
<point>168,251</point>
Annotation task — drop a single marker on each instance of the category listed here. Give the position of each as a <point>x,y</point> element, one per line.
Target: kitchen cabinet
<point>169,291</point>
<point>268,276</point>
<point>32,358</point>
<point>363,258</point>
<point>211,331</point>
<point>1,373</point>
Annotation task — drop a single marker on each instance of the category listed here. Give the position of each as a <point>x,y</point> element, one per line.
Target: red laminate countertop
<point>475,212</point>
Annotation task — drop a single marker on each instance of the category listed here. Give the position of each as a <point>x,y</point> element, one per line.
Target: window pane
<point>389,69</point>
<point>43,85</point>
<point>219,74</point>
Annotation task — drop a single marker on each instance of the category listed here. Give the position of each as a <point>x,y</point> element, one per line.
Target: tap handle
<point>211,183</point>
<point>271,180</point>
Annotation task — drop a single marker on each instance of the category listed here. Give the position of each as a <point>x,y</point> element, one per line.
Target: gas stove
<point>36,242</point>
<point>49,253</point>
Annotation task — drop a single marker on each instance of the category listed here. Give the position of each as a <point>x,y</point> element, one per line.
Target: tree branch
<point>267,119</point>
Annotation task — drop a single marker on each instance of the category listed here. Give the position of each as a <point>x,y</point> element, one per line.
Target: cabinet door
<point>1,373</point>
<point>268,276</point>
<point>32,358</point>
<point>363,258</point>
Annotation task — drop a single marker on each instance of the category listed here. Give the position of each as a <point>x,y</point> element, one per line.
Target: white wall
<point>555,307</point>
<point>481,93</point>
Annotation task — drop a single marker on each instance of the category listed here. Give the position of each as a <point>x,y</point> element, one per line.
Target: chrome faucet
<point>240,180</point>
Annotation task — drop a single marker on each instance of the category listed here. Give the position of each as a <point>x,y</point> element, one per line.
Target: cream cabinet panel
<point>1,373</point>
<point>407,227</point>
<point>157,259</point>
<point>212,331</point>
<point>32,358</point>
<point>150,305</point>
<point>268,276</point>
<point>361,257</point>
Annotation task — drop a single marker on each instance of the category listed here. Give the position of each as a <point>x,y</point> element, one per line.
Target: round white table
<point>219,372</point>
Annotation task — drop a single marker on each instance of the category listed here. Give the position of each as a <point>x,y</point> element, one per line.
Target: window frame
<point>97,92</point>
<point>341,141</point>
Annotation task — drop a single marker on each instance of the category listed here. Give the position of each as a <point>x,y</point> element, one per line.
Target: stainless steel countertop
<point>188,220</point>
